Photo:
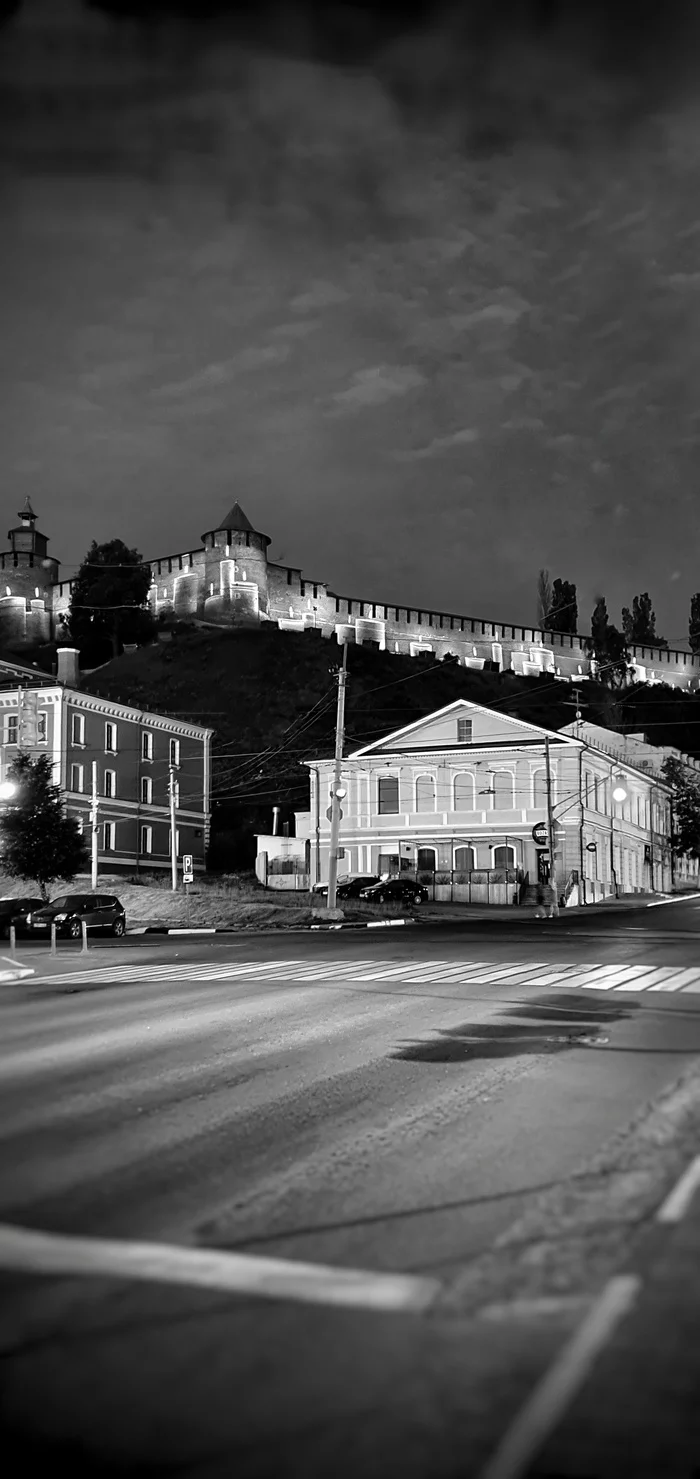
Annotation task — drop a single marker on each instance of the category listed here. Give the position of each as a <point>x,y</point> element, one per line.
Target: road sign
<point>188,868</point>
<point>539,833</point>
<point>329,813</point>
<point>591,847</point>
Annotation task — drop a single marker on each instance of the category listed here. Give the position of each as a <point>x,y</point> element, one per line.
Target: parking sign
<point>188,868</point>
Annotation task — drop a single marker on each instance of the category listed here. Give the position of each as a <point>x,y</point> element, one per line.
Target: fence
<point>480,886</point>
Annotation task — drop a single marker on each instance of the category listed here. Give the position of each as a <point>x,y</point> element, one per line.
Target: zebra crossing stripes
<point>512,974</point>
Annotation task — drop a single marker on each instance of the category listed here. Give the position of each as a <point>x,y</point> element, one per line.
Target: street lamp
<point>619,792</point>
<point>8,789</point>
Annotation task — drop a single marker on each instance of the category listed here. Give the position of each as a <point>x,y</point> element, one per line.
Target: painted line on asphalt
<point>542,1412</point>
<point>23,1249</point>
<point>679,899</point>
<point>678,1201</point>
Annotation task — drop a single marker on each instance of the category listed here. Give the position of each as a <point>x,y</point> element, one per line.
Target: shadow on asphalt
<point>476,1041</point>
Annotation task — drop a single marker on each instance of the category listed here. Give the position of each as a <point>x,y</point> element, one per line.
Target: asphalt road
<point>392,1101</point>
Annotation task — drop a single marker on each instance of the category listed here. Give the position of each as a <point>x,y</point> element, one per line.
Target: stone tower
<point>236,583</point>
<point>27,574</point>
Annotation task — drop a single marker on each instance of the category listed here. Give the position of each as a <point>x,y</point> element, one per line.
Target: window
<point>464,792</point>
<point>388,795</point>
<point>504,857</point>
<point>174,752</point>
<point>503,799</point>
<point>111,738</point>
<point>464,731</point>
<point>147,839</point>
<point>42,727</point>
<point>426,860</point>
<point>78,729</point>
<point>539,788</point>
<point>109,788</point>
<point>11,729</point>
<point>110,835</point>
<point>147,745</point>
<point>425,793</point>
<point>76,777</point>
<point>388,863</point>
<point>497,654</point>
<point>465,859</point>
<point>146,790</point>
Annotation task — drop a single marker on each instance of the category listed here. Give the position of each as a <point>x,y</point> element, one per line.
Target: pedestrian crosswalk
<point>406,971</point>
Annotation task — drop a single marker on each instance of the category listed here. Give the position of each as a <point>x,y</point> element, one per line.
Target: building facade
<point>229,581</point>
<point>459,799</point>
<point>127,754</point>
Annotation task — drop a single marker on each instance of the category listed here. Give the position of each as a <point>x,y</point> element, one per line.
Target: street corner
<point>11,970</point>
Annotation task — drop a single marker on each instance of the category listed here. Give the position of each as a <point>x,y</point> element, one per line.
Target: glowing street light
<point>620,792</point>
<point>8,789</point>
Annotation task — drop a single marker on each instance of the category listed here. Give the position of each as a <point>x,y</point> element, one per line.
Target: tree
<point>609,647</point>
<point>694,623</point>
<point>639,624</point>
<point>38,841</point>
<point>108,600</point>
<point>686,807</point>
<point>544,597</point>
<point>563,607</point>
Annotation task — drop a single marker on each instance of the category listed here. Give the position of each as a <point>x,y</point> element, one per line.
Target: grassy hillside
<point>271,698</point>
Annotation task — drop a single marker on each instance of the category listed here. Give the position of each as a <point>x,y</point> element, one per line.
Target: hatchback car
<point>350,886</point>
<point>99,911</point>
<point>396,890</point>
<point>15,911</point>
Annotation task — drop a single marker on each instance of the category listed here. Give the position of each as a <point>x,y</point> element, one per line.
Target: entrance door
<point>543,866</point>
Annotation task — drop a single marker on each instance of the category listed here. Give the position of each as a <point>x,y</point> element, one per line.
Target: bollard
<point>84,929</point>
<point>13,939</point>
<point>53,939</point>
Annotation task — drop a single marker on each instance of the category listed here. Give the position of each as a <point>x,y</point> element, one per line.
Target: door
<point>542,866</point>
<point>91,911</point>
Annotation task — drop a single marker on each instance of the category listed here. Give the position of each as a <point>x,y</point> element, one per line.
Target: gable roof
<point>464,708</point>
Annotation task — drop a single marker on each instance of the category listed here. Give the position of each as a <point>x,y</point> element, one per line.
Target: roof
<point>236,519</point>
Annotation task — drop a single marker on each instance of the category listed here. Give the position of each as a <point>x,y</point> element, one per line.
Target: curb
<point>162,929</point>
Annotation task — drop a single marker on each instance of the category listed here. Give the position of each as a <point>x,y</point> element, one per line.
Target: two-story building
<point>120,757</point>
<point>460,797</point>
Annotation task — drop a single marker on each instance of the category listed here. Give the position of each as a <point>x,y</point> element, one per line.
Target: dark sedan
<point>350,886</point>
<point>15,911</point>
<point>99,912</point>
<point>396,891</point>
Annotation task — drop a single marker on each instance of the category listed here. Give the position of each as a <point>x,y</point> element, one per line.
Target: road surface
<point>395,1102</point>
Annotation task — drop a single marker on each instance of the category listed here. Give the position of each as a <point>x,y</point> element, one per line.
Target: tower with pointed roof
<point>28,575</point>
<point>236,571</point>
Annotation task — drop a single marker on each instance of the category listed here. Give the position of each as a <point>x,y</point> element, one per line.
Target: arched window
<point>425,793</point>
<point>465,859</point>
<point>539,788</point>
<point>426,860</point>
<point>503,799</point>
<point>464,791</point>
<point>504,857</point>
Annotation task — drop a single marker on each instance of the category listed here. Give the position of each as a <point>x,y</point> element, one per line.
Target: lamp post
<point>337,790</point>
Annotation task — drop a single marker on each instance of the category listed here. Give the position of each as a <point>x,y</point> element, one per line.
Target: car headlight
<point>29,919</point>
<point>59,918</point>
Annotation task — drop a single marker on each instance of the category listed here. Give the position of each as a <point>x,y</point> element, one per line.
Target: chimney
<point>68,666</point>
<point>275,820</point>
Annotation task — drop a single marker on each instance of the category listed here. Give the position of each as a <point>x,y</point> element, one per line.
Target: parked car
<point>396,890</point>
<point>349,886</point>
<point>100,912</point>
<point>15,911</point>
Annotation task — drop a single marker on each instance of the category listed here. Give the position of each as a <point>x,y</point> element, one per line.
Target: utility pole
<point>93,819</point>
<point>173,833</point>
<point>550,831</point>
<point>338,791</point>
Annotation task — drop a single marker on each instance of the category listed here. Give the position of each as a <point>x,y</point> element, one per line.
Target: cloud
<point>375,386</point>
<point>461,438</point>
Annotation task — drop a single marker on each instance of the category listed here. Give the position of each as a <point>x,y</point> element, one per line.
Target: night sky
<point>424,298</point>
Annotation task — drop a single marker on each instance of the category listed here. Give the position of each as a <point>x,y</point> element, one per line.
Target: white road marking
<point>234,1273</point>
<point>676,899</point>
<point>538,1419</point>
<point>678,1200</point>
<point>574,976</point>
